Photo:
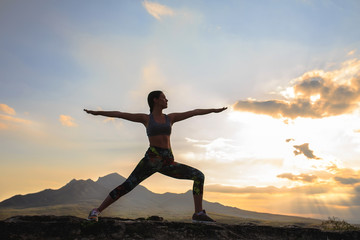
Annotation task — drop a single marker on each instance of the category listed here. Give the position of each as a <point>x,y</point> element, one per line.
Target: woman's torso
<point>158,129</point>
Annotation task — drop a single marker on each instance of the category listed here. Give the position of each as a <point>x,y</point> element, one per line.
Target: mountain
<point>78,197</point>
<point>74,191</point>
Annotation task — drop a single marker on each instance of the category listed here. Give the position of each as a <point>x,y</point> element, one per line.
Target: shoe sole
<point>94,219</point>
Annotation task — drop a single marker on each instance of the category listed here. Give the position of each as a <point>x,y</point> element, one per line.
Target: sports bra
<point>155,129</point>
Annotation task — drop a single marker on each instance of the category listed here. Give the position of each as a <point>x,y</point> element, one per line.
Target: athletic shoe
<point>93,215</point>
<point>202,217</point>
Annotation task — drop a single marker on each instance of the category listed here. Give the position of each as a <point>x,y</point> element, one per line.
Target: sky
<point>288,71</point>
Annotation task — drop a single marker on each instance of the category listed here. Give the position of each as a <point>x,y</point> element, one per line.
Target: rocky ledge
<point>69,227</point>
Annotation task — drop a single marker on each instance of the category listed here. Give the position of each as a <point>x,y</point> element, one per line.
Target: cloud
<point>347,181</point>
<point>6,109</point>
<point>304,149</point>
<point>289,140</point>
<point>13,119</point>
<point>250,189</point>
<point>351,52</point>
<point>6,121</point>
<point>301,177</point>
<point>318,189</point>
<point>219,150</point>
<point>346,176</point>
<point>67,121</point>
<point>316,94</point>
<point>157,10</point>
<point>356,196</point>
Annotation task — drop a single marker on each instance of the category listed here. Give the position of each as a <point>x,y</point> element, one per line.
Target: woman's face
<point>162,101</point>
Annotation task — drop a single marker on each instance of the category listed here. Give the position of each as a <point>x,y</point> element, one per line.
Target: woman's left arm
<point>176,117</point>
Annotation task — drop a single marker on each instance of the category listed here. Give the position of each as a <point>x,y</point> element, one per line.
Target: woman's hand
<point>176,117</point>
<point>217,110</point>
<point>91,112</point>
<point>133,117</point>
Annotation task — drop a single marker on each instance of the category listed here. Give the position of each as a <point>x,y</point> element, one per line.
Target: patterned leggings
<point>162,161</point>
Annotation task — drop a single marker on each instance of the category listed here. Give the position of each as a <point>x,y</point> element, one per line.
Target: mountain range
<point>78,197</point>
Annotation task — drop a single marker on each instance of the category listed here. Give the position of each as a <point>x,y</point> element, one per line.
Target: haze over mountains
<point>78,197</point>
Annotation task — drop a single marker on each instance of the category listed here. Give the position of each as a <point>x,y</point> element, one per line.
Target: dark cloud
<point>355,200</point>
<point>347,181</point>
<point>317,94</point>
<point>301,177</point>
<point>304,149</point>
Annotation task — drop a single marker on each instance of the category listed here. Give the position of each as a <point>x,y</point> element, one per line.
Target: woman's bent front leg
<point>182,171</point>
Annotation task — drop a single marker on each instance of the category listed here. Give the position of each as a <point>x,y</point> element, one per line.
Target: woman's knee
<point>200,176</point>
<point>198,186</point>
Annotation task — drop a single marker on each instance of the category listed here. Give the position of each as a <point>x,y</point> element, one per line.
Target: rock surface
<point>69,227</point>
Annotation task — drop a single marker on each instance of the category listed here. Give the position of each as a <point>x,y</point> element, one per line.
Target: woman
<point>159,157</point>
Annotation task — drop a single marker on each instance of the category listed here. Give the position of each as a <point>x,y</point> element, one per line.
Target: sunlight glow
<point>314,98</point>
<point>288,93</point>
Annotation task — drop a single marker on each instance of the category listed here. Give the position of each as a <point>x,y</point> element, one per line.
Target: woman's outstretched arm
<point>134,117</point>
<point>176,117</point>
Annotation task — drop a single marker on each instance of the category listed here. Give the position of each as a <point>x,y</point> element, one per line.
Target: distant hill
<point>78,197</point>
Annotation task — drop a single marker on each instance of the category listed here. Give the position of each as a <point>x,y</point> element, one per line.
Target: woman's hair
<point>150,99</point>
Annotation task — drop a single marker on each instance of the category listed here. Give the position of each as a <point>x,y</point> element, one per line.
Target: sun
<point>264,137</point>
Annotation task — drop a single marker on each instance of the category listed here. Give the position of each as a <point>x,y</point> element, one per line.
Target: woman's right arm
<point>134,117</point>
